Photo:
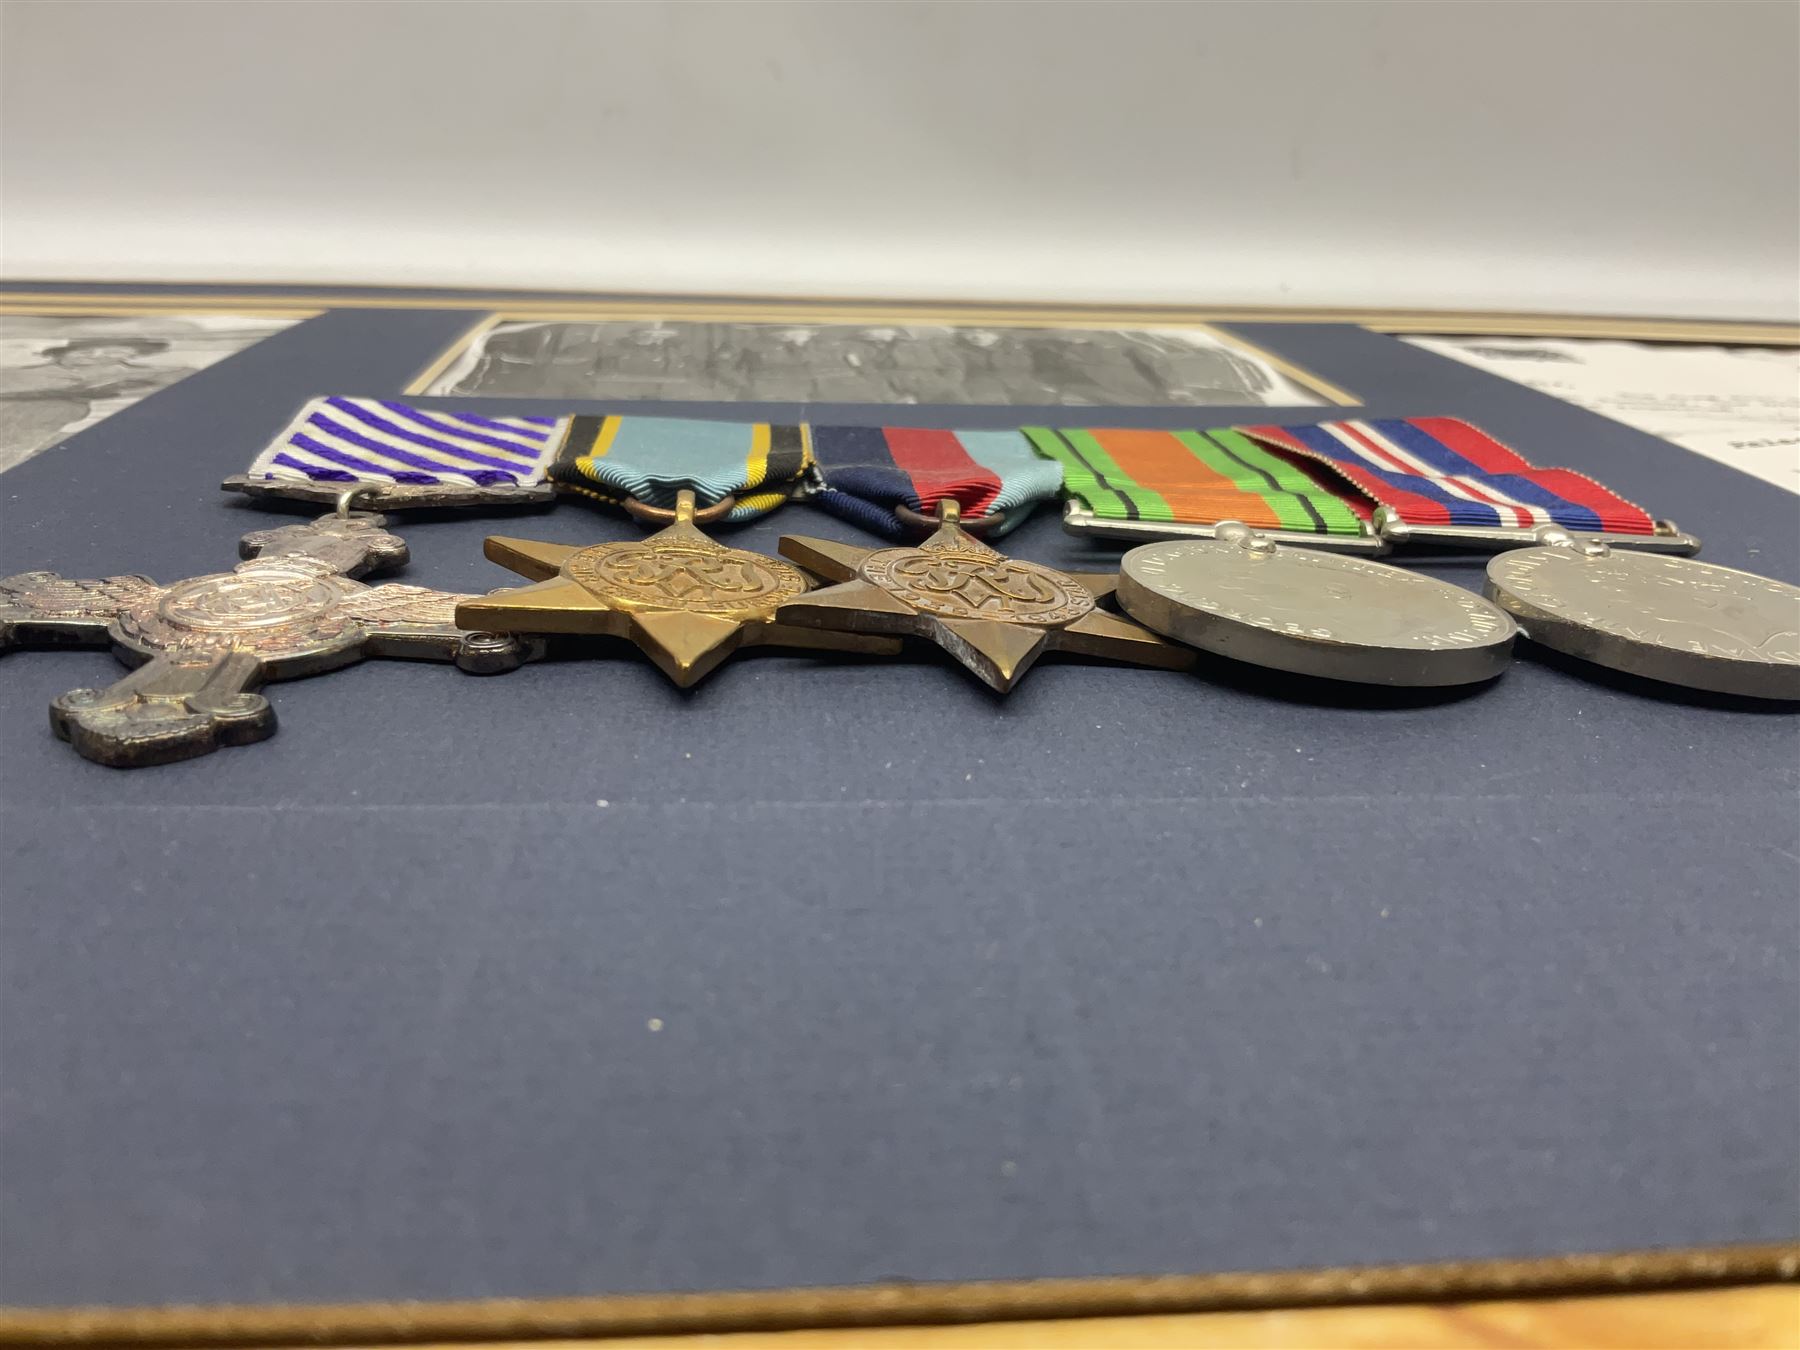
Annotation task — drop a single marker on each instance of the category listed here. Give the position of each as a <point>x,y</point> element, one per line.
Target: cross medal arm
<point>419,624</point>
<point>44,609</point>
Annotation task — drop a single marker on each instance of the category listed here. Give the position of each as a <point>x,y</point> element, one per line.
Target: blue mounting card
<point>839,972</point>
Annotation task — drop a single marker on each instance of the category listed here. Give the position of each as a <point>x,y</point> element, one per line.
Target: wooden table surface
<point>1759,1317</point>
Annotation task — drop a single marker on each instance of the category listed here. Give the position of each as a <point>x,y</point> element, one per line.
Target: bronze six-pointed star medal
<point>685,599</point>
<point>993,613</point>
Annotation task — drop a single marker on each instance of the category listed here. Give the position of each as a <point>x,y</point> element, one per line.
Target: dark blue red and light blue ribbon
<point>868,471</point>
<point>1443,471</point>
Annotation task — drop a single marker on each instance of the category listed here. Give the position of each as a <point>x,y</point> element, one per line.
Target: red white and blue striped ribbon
<point>868,471</point>
<point>367,440</point>
<point>1444,471</point>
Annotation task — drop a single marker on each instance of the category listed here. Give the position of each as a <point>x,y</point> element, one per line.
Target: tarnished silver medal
<point>202,647</point>
<point>1322,614</point>
<point>1683,622</point>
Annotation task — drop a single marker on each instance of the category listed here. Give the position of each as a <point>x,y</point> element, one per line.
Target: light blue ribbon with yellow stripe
<point>652,459</point>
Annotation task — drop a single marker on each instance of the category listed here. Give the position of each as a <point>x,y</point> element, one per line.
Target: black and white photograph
<point>866,363</point>
<point>60,374</point>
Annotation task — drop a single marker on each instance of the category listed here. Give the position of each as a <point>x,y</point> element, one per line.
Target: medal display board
<point>840,970</point>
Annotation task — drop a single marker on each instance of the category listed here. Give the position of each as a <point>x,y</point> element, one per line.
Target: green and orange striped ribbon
<point>1191,477</point>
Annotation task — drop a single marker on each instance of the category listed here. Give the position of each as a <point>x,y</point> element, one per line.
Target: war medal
<point>203,647</point>
<point>994,614</point>
<point>1243,596</point>
<point>1676,620</point>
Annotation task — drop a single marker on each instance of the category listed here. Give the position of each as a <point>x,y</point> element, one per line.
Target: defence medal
<point>203,647</point>
<point>1244,596</point>
<point>395,457</point>
<point>686,600</point>
<point>994,614</point>
<point>1676,620</point>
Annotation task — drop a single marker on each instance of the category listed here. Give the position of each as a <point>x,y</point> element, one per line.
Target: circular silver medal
<point>1314,613</point>
<point>1672,619</point>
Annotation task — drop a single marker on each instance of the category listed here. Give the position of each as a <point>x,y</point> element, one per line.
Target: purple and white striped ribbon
<point>367,440</point>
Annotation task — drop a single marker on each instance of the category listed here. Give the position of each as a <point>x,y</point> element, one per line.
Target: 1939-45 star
<point>994,614</point>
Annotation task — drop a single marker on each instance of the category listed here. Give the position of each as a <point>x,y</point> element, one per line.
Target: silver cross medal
<point>202,647</point>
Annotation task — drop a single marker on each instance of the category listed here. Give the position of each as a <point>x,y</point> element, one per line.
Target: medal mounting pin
<point>1667,538</point>
<point>1078,519</point>
<point>1251,541</point>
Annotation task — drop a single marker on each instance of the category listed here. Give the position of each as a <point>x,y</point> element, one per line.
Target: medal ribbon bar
<point>398,455</point>
<point>1443,480</point>
<point>1147,484</point>
<point>889,480</point>
<point>652,460</point>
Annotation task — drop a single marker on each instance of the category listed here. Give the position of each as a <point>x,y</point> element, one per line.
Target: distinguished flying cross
<point>203,646</point>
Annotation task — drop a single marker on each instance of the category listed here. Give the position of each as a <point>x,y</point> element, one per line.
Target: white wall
<point>1578,156</point>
